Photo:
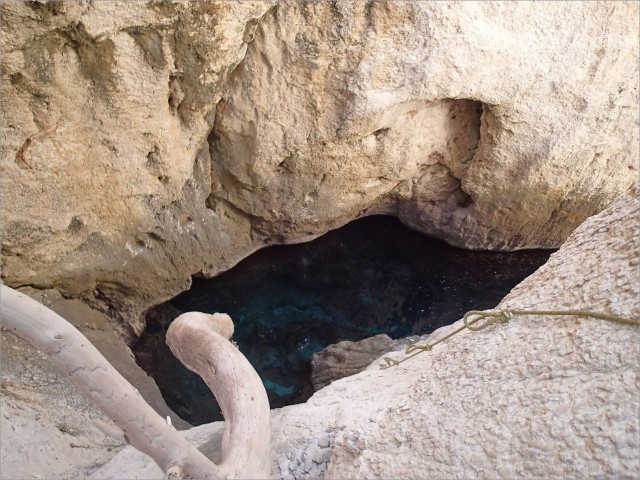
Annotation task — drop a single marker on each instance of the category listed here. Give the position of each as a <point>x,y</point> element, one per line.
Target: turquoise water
<point>287,302</point>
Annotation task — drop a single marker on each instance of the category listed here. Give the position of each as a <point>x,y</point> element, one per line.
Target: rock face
<point>348,358</point>
<point>105,167</point>
<point>146,144</point>
<point>443,114</point>
<point>543,397</point>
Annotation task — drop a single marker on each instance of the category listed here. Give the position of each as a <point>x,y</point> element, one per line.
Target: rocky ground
<point>48,429</point>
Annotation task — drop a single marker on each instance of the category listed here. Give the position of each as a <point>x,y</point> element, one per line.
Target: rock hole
<point>150,42</point>
<point>312,197</point>
<point>289,301</point>
<point>381,133</point>
<point>463,199</point>
<point>77,223</point>
<point>185,221</point>
<point>153,158</point>
<point>176,94</point>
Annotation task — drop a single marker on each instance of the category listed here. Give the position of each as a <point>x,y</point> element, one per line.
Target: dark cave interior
<point>287,302</point>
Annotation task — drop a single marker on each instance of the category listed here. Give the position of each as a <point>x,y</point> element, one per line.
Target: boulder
<point>348,358</point>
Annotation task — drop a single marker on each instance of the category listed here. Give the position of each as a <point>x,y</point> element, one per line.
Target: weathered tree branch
<point>227,372</point>
<point>200,342</point>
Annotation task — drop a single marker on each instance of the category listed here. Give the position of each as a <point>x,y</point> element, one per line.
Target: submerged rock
<point>348,358</point>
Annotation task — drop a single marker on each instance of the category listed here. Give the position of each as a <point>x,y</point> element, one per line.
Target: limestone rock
<point>105,170</point>
<point>348,358</point>
<point>479,123</point>
<point>146,142</point>
<point>543,397</point>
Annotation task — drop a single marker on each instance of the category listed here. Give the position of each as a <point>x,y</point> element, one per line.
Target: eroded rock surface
<point>458,118</point>
<point>348,358</point>
<point>146,142</point>
<point>105,167</point>
<point>543,397</point>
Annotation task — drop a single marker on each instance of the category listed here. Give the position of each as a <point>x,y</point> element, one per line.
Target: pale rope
<point>500,316</point>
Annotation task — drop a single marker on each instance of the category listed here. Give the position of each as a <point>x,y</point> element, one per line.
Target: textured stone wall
<point>478,123</point>
<point>145,142</point>
<point>105,169</point>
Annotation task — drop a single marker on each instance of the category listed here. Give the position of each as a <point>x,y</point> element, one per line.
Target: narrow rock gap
<point>288,302</point>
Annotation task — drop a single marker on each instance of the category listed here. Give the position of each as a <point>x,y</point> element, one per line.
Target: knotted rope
<point>491,317</point>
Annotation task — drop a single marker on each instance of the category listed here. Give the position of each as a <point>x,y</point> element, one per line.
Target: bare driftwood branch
<point>233,381</point>
<point>200,342</point>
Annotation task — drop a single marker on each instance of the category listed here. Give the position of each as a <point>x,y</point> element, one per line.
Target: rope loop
<point>423,348</point>
<point>491,317</point>
<point>390,362</point>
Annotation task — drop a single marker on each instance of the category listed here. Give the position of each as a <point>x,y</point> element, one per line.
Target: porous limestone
<point>480,123</point>
<point>105,169</point>
<point>145,142</point>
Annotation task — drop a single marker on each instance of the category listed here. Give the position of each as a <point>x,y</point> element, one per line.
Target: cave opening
<point>287,302</point>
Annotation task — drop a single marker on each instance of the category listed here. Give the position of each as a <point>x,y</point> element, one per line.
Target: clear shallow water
<point>372,276</point>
